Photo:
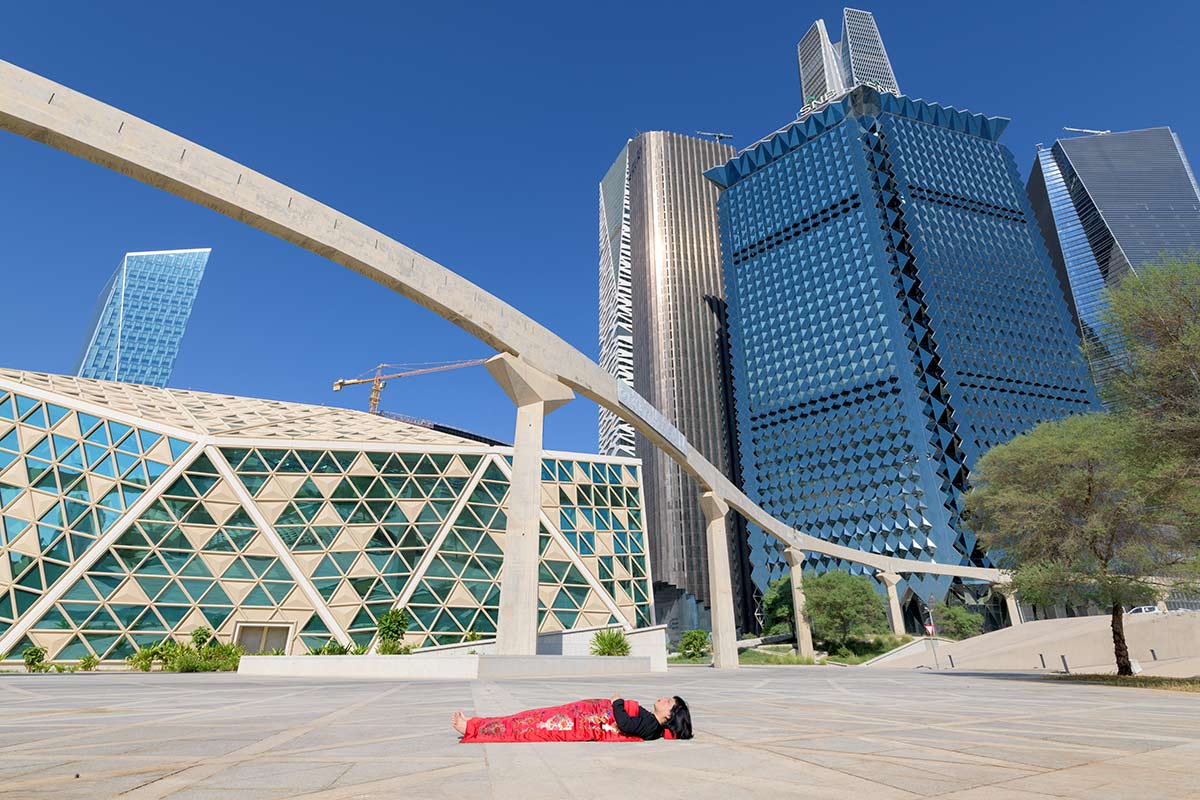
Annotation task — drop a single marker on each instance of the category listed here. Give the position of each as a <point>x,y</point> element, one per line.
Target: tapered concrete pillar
<point>720,590</point>
<point>535,395</point>
<point>1014,608</point>
<point>889,580</point>
<point>804,642</point>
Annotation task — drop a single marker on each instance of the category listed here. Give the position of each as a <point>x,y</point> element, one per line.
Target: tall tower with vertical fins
<point>662,329</point>
<point>828,68</point>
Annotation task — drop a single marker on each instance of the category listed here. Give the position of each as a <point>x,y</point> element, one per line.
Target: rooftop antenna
<point>1085,130</point>
<point>716,137</point>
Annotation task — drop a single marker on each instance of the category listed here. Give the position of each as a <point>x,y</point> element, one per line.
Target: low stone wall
<point>499,667</point>
<point>458,667</point>
<point>648,643</point>
<point>440,666</point>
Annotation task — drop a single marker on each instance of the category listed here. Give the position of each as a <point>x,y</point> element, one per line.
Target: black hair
<point>680,721</point>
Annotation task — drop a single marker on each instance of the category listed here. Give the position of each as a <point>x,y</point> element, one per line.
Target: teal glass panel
<point>52,620</point>
<point>74,650</point>
<point>257,598</point>
<point>173,594</point>
<point>148,622</point>
<point>216,596</point>
<point>172,615</point>
<point>100,643</point>
<point>102,621</point>
<point>123,650</point>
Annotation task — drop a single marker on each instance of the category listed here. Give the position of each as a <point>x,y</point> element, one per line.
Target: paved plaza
<point>819,732</point>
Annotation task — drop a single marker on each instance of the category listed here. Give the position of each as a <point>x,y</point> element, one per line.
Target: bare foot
<point>459,721</point>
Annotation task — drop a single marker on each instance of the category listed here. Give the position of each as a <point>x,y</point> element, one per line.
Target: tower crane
<point>379,380</point>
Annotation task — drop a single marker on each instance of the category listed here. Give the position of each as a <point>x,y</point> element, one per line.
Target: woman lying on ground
<point>614,720</point>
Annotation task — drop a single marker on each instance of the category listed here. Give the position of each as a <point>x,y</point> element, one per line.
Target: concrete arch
<point>40,109</point>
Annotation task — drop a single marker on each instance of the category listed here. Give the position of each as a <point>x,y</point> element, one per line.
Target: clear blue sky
<point>475,133</point>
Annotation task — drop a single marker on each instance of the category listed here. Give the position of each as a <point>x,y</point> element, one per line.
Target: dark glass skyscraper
<point>141,317</point>
<point>892,316</point>
<point>1107,205</point>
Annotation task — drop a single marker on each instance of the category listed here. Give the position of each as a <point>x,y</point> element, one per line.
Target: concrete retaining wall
<point>442,666</point>
<point>450,668</point>
<point>648,643</point>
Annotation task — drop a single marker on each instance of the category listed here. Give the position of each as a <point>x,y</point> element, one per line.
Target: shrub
<point>956,622</point>
<point>391,629</point>
<point>330,648</point>
<point>778,629</point>
<point>694,644</point>
<point>219,657</point>
<point>35,659</point>
<point>472,636</point>
<point>393,625</point>
<point>856,650</point>
<point>841,605</point>
<point>213,657</point>
<point>89,663</point>
<point>610,642</point>
<point>777,607</point>
<point>175,657</point>
<point>143,659</point>
<point>753,656</point>
<point>201,636</point>
<point>391,647</point>
<point>186,660</point>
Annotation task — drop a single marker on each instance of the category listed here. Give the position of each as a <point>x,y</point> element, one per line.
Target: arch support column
<point>889,580</point>
<point>720,589</point>
<point>804,642</point>
<point>1014,608</point>
<point>535,395</point>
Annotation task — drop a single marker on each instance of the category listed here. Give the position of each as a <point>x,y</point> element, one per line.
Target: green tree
<point>694,644</point>
<point>1080,512</point>
<point>392,627</point>
<point>956,622</point>
<point>840,604</point>
<point>1153,320</point>
<point>777,607</point>
<point>35,659</point>
<point>201,636</point>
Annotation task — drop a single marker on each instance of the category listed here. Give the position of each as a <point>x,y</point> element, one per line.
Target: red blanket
<point>581,721</point>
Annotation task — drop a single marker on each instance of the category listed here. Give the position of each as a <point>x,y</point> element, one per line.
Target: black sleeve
<point>644,724</point>
<point>622,718</point>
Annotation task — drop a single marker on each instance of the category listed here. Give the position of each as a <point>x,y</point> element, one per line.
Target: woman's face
<point>663,706</point>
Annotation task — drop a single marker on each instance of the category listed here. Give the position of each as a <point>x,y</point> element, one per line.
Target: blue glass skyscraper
<point>1108,205</point>
<point>141,317</point>
<point>893,315</point>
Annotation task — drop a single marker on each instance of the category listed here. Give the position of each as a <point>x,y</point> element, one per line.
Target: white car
<point>1145,610</point>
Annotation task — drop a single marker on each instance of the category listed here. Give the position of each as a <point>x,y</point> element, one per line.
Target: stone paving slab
<point>761,732</point>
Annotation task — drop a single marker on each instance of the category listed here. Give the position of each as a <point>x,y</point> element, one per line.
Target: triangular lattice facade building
<point>129,514</point>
